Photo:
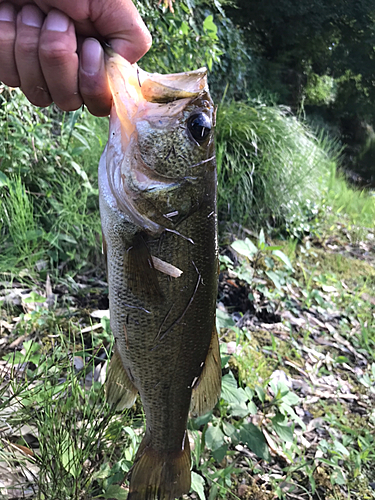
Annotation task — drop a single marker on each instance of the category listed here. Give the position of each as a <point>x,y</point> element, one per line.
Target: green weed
<point>48,186</point>
<point>356,204</point>
<point>21,240</point>
<point>74,429</point>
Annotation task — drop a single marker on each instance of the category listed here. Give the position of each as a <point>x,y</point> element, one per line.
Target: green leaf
<point>34,297</point>
<point>14,358</point>
<point>30,346</point>
<point>229,429</point>
<point>219,7</point>
<point>214,437</point>
<point>79,171</point>
<point>279,388</point>
<point>245,248</point>
<point>220,453</point>
<point>281,428</point>
<point>252,408</point>
<point>290,398</point>
<point>255,440</point>
<point>3,179</point>
<point>184,28</point>
<point>338,477</point>
<point>284,258</point>
<point>339,448</point>
<point>33,234</point>
<point>210,27</point>
<point>67,238</point>
<point>225,359</point>
<point>312,483</point>
<point>245,274</point>
<point>69,456</point>
<point>274,277</point>
<point>81,139</point>
<point>197,485</point>
<point>34,359</point>
<point>115,491</point>
<point>273,247</point>
<point>105,322</point>
<point>227,261</point>
<point>260,393</point>
<point>238,410</point>
<point>230,391</point>
<point>249,393</point>
<point>261,239</point>
<point>103,472</point>
<point>214,491</point>
<point>223,320</point>
<point>200,421</point>
<point>342,359</point>
<point>289,410</point>
<point>118,471</point>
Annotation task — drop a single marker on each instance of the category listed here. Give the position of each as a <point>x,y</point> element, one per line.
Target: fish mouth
<point>129,81</point>
<point>138,94</point>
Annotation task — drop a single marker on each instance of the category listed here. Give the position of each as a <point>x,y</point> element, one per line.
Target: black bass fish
<point>157,184</point>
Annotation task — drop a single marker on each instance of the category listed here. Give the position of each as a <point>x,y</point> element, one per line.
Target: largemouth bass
<point>157,184</point>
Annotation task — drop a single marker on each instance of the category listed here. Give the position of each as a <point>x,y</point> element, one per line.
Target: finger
<point>8,68</point>
<point>119,22</point>
<point>59,60</point>
<point>93,83</point>
<point>29,22</point>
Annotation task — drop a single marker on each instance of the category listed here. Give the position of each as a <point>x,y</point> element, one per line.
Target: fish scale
<point>160,243</point>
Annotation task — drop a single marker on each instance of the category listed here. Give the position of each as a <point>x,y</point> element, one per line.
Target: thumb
<point>119,22</point>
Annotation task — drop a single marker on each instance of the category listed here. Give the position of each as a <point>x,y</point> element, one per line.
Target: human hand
<point>49,48</point>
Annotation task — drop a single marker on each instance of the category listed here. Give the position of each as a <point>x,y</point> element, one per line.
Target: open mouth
<point>129,81</point>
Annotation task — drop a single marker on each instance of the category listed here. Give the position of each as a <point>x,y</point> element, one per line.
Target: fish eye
<point>199,126</point>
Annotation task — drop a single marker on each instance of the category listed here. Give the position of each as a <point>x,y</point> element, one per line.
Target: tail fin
<point>160,475</point>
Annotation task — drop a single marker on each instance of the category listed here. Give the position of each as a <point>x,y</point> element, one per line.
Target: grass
<point>17,214</point>
<point>269,164</point>
<point>48,186</point>
<point>65,411</point>
<point>356,204</point>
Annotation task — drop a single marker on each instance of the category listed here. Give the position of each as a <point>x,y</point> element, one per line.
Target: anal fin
<point>207,389</point>
<point>120,390</point>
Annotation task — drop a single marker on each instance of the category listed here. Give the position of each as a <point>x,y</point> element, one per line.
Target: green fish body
<point>157,184</point>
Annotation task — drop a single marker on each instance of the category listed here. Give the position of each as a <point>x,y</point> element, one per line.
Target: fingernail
<point>91,56</point>
<point>7,13</point>
<point>32,16</point>
<point>57,21</point>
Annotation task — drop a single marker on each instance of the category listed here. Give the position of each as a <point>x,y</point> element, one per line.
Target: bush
<point>269,164</point>
<point>184,40</point>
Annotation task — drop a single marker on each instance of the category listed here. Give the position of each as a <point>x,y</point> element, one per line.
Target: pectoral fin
<point>140,270</point>
<point>206,391</point>
<point>120,390</point>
